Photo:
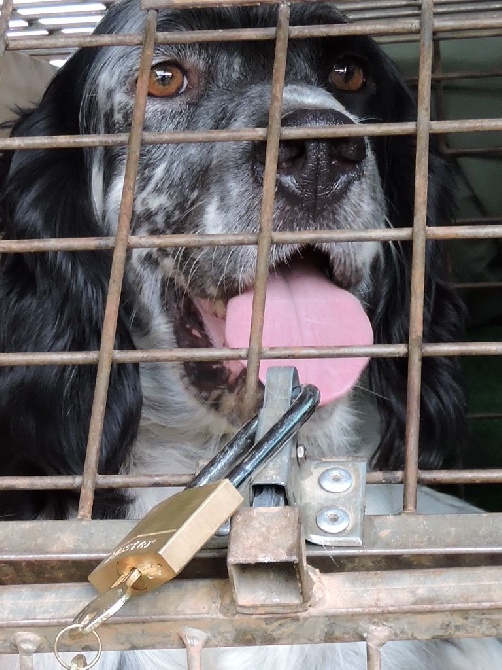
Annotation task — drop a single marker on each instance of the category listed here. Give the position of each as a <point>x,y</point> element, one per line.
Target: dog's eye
<point>347,75</point>
<point>167,80</point>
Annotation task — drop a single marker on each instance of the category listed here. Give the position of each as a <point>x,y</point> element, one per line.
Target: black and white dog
<point>161,418</point>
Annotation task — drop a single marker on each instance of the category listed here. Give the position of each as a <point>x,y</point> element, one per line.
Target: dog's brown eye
<point>347,75</point>
<point>167,80</point>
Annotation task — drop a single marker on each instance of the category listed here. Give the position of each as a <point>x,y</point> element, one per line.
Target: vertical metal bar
<point>194,641</point>
<point>376,637</point>
<point>267,209</point>
<point>418,259</point>
<point>438,88</point>
<point>117,273</point>
<point>27,644</point>
<point>373,657</point>
<point>4,26</point>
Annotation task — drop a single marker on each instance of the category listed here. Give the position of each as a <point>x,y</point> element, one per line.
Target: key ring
<point>70,666</point>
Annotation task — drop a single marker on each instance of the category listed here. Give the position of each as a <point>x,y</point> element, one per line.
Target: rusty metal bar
<point>76,540</point>
<point>116,274</point>
<point>218,354</point>
<point>194,641</point>
<point>4,26</point>
<point>73,482</point>
<point>455,27</point>
<point>465,232</point>
<point>480,285</point>
<point>267,209</point>
<point>480,231</point>
<point>249,134</point>
<point>461,74</point>
<point>432,477</point>
<point>438,90</point>
<point>475,152</point>
<point>377,636</point>
<point>418,259</point>
<point>441,603</point>
<point>454,5</point>
<point>205,36</point>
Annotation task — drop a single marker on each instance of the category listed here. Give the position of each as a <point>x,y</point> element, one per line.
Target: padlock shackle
<point>292,420</point>
<point>228,456</point>
<point>233,463</point>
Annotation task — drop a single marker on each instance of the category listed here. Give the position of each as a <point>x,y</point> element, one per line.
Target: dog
<point>163,417</point>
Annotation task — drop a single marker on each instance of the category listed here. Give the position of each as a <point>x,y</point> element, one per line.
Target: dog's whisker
<point>364,389</point>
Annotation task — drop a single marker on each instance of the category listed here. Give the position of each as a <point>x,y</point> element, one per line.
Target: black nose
<point>315,172</point>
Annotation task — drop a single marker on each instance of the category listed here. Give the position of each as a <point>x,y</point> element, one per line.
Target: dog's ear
<point>443,432</point>
<point>55,302</point>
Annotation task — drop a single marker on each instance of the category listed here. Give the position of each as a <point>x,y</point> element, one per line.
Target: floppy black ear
<point>443,429</point>
<point>55,302</point>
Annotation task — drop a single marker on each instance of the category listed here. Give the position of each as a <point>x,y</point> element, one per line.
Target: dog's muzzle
<point>318,172</point>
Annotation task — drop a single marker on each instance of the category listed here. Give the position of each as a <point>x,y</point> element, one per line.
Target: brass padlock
<point>168,537</point>
<point>160,545</point>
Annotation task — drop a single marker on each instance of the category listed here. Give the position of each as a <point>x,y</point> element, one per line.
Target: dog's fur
<point>162,417</point>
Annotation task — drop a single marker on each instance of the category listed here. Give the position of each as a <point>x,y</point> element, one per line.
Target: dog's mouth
<point>305,307</point>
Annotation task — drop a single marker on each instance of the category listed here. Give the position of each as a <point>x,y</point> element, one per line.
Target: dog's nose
<point>315,172</point>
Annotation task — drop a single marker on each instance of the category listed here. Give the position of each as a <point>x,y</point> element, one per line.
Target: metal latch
<point>292,498</point>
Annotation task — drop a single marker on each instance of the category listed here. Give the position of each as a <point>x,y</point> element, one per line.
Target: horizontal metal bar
<point>73,482</point>
<point>206,36</point>
<point>217,354</point>
<point>53,48</point>
<point>432,477</point>
<point>417,534</point>
<point>476,285</point>
<point>476,24</point>
<point>441,603</point>
<point>479,231</point>
<point>248,134</point>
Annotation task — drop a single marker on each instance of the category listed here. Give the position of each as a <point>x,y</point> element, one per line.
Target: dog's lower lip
<point>219,308</point>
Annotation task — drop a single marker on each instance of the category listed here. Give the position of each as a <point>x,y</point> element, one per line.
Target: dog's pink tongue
<point>304,309</point>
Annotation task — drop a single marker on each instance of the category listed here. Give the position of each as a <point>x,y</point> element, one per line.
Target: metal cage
<point>410,579</point>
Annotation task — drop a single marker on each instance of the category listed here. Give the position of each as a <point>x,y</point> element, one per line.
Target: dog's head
<point>325,184</point>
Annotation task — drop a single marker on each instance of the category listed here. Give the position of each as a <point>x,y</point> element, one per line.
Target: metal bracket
<point>332,495</point>
<point>266,561</point>
<point>291,499</point>
<point>329,493</point>
<point>273,484</point>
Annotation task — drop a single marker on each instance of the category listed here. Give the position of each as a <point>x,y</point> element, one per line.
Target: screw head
<point>333,520</point>
<point>335,480</point>
<point>224,529</point>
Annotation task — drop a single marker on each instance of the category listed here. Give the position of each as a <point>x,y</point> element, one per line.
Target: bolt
<point>301,454</point>
<point>333,520</point>
<point>224,529</point>
<point>335,480</point>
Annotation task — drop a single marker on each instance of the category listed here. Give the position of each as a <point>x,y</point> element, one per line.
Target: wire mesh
<point>390,20</point>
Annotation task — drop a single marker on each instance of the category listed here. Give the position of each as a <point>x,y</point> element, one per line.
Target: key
<point>162,543</point>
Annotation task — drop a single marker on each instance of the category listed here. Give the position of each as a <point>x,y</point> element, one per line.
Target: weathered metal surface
<point>117,270</point>
<point>264,242</point>
<point>417,292</point>
<point>216,354</point>
<point>54,551</point>
<point>332,517</point>
<point>251,134</point>
<point>5,16</point>
<point>411,603</point>
<point>73,482</point>
<point>279,475</point>
<point>266,561</point>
